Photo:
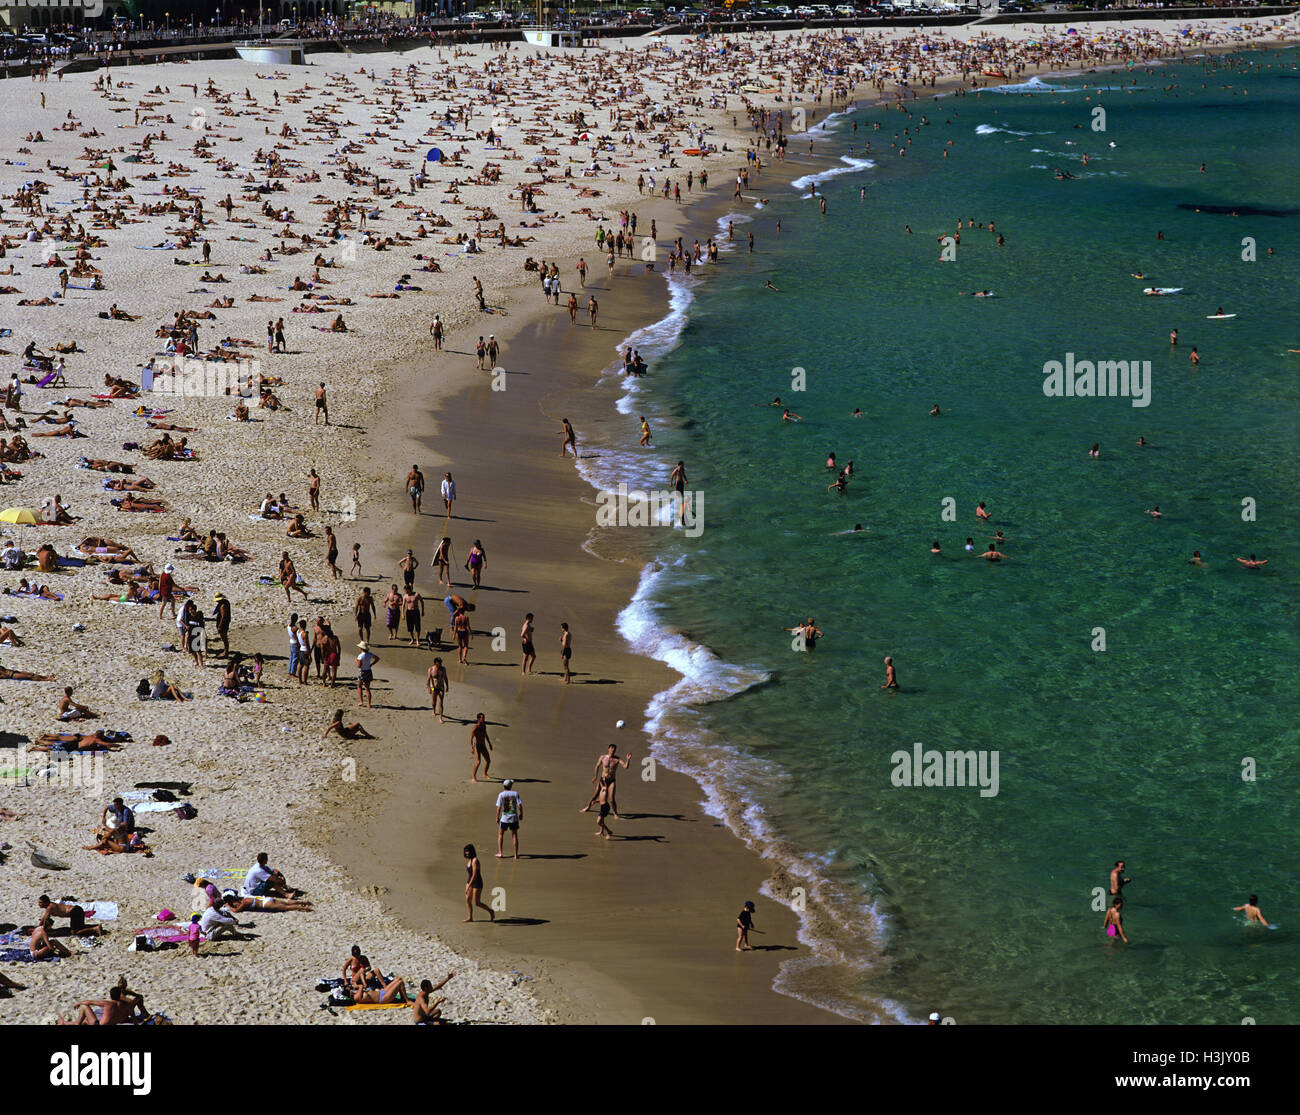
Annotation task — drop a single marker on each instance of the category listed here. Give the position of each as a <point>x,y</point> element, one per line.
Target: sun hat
<point>363,646</point>
<point>508,783</point>
<point>169,568</point>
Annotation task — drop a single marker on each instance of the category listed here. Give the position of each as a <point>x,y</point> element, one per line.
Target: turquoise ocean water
<point>983,907</point>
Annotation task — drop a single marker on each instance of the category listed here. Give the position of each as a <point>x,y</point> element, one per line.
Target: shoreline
<point>629,958</point>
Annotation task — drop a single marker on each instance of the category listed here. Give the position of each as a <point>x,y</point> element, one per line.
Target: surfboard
<point>1218,317</point>
<point>1161,290</point>
<point>690,150</point>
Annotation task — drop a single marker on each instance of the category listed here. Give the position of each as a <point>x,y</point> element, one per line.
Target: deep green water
<point>939,898</point>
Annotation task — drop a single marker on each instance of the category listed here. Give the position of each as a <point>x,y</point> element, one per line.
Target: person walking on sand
<point>415,488</point>
<point>570,439</point>
<point>413,611</point>
<point>476,562</point>
<point>1251,908</point>
<point>448,493</point>
<point>526,639</point>
<point>510,811</point>
<point>166,589</point>
<point>566,649</point>
<point>1114,920</point>
<point>322,406</point>
<point>744,923</point>
<point>365,673</point>
<point>891,675</point>
<point>474,886</point>
<point>593,309</point>
<point>442,561</point>
<point>480,746</point>
<point>438,684</point>
<point>645,431</point>
<point>436,331</point>
<point>313,490</point>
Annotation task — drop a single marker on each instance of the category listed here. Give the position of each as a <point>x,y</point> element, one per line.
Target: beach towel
<point>220,874</point>
<point>45,382</point>
<point>377,1006</point>
<point>17,937</point>
<point>175,933</point>
<point>100,911</point>
<point>157,806</point>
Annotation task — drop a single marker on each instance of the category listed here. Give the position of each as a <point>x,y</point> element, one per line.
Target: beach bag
<point>186,811</point>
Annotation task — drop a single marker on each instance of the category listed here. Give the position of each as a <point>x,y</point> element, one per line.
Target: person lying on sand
<point>59,431</point>
<point>238,905</point>
<point>7,674</point>
<point>97,546</point>
<point>25,588</point>
<point>10,637</point>
<point>116,842</point>
<point>154,424</point>
<point>98,464</point>
<point>136,503</point>
<point>143,484</point>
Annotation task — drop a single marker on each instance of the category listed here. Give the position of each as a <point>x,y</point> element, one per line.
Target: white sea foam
<point>849,165</point>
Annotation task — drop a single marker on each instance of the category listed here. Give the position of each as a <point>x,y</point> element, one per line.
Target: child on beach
<point>744,923</point>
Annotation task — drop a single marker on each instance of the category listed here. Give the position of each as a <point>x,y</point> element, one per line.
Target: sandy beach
<point>623,930</point>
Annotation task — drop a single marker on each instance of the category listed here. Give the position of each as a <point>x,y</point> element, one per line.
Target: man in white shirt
<point>448,492</point>
<point>510,811</point>
<point>216,922</point>
<point>265,881</point>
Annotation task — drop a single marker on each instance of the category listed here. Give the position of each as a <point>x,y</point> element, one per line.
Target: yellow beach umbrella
<point>19,515</point>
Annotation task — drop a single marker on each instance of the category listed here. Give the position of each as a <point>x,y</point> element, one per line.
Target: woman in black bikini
<point>474,885</point>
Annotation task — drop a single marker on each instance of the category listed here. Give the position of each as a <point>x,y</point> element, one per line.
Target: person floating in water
<point>1253,562</point>
<point>769,286</point>
<point>787,416</point>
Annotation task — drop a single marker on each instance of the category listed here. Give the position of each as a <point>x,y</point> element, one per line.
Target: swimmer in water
<point>993,554</point>
<point>935,411</point>
<point>981,513</point>
<point>999,537</point>
<point>1154,512</point>
<point>1138,275</point>
<point>1113,923</point>
<point>786,416</point>
<point>769,286</point>
<point>1173,336</point>
<point>1194,357</point>
<point>1253,562</point>
<point>1142,441</point>
<point>934,547</point>
<point>1251,908</point>
<point>1095,451</point>
<point>810,633</point>
<point>830,461</point>
<point>1195,559</point>
<point>970,545</point>
<point>891,675</point>
<point>857,412</point>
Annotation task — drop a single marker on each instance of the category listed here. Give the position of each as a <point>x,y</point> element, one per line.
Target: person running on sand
<point>345,731</point>
<point>438,685</point>
<point>480,746</point>
<point>474,886</point>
